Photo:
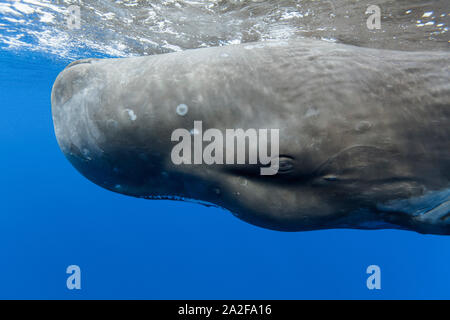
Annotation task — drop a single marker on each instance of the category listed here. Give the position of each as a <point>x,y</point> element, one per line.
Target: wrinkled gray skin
<point>364,133</point>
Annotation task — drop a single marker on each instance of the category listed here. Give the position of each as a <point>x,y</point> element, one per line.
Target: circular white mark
<point>131,114</point>
<point>182,109</point>
<point>194,132</point>
<point>363,126</point>
<point>243,182</point>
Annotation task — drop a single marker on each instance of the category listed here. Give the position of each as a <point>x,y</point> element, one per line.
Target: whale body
<point>363,133</point>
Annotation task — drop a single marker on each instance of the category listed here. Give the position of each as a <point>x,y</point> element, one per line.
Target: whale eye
<point>330,177</point>
<point>286,164</point>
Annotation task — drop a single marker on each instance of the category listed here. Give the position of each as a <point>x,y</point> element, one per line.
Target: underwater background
<point>51,217</point>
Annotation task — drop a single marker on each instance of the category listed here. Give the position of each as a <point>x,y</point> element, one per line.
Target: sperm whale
<point>363,133</point>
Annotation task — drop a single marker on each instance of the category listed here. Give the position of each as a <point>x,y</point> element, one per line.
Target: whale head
<point>345,143</point>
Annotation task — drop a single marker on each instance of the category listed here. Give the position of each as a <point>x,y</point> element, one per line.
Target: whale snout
<point>69,83</point>
<point>113,137</point>
<point>73,96</point>
<point>88,132</point>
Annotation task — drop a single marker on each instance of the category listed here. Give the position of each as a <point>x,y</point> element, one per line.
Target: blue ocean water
<point>52,217</point>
